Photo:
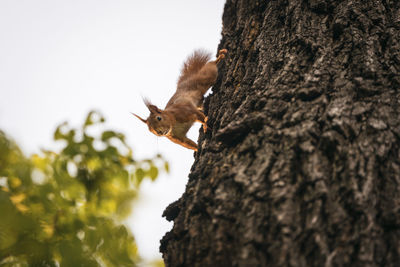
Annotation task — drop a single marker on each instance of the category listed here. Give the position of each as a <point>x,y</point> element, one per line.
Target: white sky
<point>60,59</point>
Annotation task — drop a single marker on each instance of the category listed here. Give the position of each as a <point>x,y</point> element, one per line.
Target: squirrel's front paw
<point>221,54</point>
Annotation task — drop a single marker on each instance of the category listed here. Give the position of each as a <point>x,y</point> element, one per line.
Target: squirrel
<point>185,106</point>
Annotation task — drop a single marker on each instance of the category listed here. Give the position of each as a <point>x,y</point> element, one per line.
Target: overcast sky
<point>60,59</point>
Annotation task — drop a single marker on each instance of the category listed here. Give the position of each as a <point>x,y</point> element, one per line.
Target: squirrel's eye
<point>158,118</point>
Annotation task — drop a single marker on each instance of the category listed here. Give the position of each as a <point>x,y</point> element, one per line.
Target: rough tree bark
<point>302,166</point>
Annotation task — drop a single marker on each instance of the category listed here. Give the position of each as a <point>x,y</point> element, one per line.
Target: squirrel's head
<point>158,121</point>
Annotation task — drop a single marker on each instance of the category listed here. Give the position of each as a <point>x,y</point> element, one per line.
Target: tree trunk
<point>301,167</point>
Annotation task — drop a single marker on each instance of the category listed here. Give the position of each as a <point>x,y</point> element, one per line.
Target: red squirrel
<point>184,108</point>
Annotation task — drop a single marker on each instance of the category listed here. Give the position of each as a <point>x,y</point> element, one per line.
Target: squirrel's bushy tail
<point>194,63</point>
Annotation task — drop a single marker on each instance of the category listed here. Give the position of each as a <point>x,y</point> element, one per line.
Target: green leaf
<point>92,118</point>
<point>89,120</point>
<point>153,172</point>
<point>107,135</point>
<point>58,135</point>
<point>166,167</point>
<point>71,135</point>
<point>139,174</point>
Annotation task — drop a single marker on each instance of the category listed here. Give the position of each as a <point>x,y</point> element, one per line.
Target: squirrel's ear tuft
<point>151,107</point>
<point>145,121</point>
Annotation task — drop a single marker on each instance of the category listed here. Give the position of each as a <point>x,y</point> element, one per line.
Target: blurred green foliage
<point>65,209</point>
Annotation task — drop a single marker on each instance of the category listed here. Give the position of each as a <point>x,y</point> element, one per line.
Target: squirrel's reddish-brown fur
<point>194,63</point>
<point>184,108</point>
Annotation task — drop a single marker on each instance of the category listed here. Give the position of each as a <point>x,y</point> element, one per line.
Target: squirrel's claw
<point>221,55</point>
